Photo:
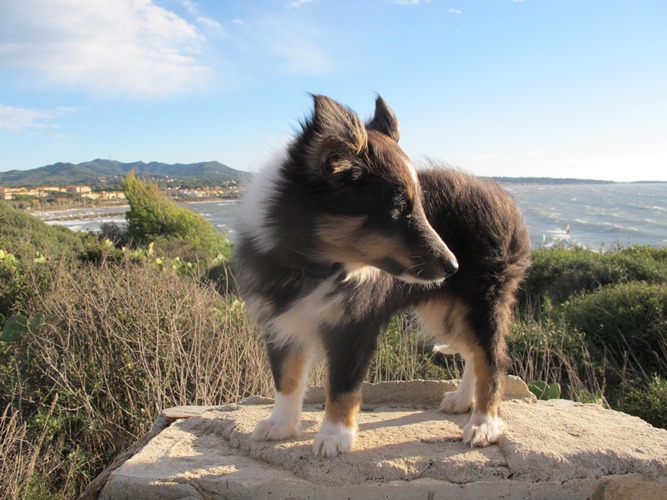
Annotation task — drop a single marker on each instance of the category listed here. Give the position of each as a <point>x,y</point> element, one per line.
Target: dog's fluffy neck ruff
<point>254,216</point>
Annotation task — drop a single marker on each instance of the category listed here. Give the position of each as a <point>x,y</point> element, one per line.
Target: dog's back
<point>483,226</point>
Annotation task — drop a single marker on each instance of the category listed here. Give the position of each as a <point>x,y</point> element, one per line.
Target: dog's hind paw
<point>456,402</point>
<point>333,439</point>
<point>269,430</point>
<point>483,430</point>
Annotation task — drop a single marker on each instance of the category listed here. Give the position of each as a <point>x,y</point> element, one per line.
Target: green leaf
<point>36,321</point>
<point>545,391</point>
<point>552,391</point>
<point>14,328</point>
<point>538,387</point>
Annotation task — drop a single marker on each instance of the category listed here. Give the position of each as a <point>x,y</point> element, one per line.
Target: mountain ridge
<point>104,173</point>
<point>107,173</point>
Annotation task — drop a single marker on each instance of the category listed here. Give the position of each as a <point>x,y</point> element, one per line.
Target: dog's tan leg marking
<point>293,372</point>
<point>285,419</point>
<point>480,387</point>
<point>485,425</point>
<point>339,427</point>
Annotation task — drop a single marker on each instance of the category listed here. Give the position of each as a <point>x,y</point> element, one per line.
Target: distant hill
<point>547,180</point>
<point>108,174</point>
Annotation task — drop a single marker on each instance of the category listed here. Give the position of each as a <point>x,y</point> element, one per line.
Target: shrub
<point>24,235</point>
<point>221,277</point>
<point>556,274</point>
<point>626,323</point>
<point>647,401</point>
<point>113,232</point>
<point>20,281</point>
<point>155,218</point>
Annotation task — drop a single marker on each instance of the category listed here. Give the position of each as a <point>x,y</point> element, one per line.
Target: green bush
<point>24,235</point>
<point>647,401</point>
<point>20,281</point>
<point>556,274</point>
<point>625,323</point>
<point>155,218</point>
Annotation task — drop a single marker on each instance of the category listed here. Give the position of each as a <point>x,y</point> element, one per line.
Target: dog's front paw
<point>333,439</point>
<point>483,430</point>
<point>456,402</point>
<point>270,430</point>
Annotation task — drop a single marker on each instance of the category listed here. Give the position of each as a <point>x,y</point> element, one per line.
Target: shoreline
<point>56,214</point>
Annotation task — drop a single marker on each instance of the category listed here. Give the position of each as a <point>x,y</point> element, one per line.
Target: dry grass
<point>117,344</point>
<point>16,466</point>
<point>22,456</point>
<point>555,353</point>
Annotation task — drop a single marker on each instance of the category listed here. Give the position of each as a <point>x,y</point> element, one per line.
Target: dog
<point>340,234</point>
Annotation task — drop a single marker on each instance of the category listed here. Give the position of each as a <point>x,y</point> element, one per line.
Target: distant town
<point>41,197</point>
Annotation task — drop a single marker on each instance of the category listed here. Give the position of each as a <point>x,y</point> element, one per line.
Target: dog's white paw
<point>333,439</point>
<point>456,402</point>
<point>271,430</point>
<point>483,430</point>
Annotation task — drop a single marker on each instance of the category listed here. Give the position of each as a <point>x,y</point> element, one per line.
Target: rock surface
<point>405,449</point>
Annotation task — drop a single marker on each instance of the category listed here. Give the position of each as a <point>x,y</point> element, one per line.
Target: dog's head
<point>365,206</point>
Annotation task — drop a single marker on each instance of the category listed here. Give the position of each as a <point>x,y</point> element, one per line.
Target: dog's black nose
<point>450,266</point>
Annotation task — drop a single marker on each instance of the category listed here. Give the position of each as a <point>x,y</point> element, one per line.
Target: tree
<point>155,218</point>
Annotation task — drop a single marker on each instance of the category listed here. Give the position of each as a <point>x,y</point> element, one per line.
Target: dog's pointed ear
<point>338,136</point>
<point>384,120</point>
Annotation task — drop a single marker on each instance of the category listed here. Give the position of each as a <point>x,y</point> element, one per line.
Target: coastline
<point>65,213</point>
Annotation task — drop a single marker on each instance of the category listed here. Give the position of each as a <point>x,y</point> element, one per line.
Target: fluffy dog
<point>342,233</point>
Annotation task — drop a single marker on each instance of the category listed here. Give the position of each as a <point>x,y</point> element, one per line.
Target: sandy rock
<point>405,449</point>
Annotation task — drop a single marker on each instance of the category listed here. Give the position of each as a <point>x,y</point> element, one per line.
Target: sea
<point>596,216</point>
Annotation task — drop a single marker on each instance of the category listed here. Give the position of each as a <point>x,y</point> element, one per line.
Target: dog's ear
<point>338,136</point>
<point>384,120</point>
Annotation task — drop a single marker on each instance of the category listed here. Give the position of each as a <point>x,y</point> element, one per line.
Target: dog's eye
<point>403,207</point>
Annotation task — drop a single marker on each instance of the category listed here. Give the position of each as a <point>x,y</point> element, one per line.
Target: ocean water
<point>597,216</point>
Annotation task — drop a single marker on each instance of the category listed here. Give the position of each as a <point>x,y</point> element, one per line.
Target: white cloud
<point>298,3</point>
<point>195,11</point>
<point>454,11</point>
<point>14,118</point>
<point>129,48</point>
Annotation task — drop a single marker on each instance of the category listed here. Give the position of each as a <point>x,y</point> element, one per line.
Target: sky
<point>538,88</point>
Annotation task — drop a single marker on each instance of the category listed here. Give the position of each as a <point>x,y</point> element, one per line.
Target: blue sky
<point>553,88</point>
